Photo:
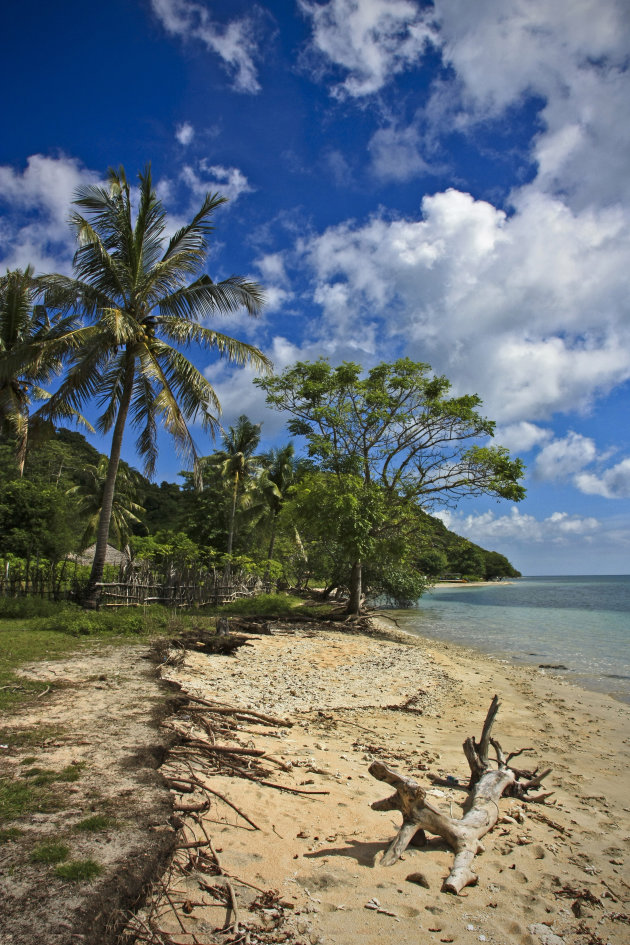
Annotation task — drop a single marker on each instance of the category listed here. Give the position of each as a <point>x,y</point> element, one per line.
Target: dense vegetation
<point>384,447</point>
<point>276,533</point>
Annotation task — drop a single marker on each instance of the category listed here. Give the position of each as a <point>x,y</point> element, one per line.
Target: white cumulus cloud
<point>368,40</point>
<point>613,483</point>
<point>486,527</point>
<point>565,457</point>
<point>230,182</point>
<point>236,42</point>
<point>522,437</point>
<point>528,309</point>
<point>36,202</point>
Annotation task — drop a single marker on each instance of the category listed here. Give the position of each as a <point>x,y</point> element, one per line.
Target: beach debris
<point>481,811</point>
<point>419,879</point>
<point>375,906</point>
<point>545,935</point>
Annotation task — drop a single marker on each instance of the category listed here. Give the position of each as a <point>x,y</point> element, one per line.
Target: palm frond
<point>192,238</point>
<point>204,298</point>
<point>238,352</point>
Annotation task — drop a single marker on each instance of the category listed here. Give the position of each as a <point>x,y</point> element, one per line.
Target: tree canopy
<point>395,442</point>
<point>142,297</point>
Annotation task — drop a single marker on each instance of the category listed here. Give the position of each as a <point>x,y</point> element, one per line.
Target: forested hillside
<point>255,504</point>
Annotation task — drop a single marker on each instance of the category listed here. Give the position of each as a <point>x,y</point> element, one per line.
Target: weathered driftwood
<point>481,810</point>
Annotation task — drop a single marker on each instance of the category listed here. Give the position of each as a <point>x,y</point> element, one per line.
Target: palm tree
<point>279,475</point>
<point>32,348</point>
<point>125,509</point>
<point>236,463</point>
<point>134,287</point>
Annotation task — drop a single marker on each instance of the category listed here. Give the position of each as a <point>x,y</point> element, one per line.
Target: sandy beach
<point>550,872</point>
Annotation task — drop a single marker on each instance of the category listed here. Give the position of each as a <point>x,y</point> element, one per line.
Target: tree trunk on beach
<point>481,810</point>
<point>356,590</point>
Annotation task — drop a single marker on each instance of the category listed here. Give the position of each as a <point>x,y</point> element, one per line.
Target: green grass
<point>21,737</point>
<point>32,792</point>
<point>43,776</point>
<point>263,605</point>
<point>79,871</point>
<point>19,797</point>
<point>32,630</point>
<point>50,851</point>
<point>10,833</point>
<point>18,645</point>
<point>95,823</point>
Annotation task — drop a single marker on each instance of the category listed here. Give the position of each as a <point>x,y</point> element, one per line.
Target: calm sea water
<point>582,623</point>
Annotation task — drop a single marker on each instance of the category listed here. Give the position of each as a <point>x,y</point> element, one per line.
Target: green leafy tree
<point>32,349</point>
<point>468,560</point>
<point>143,298</point>
<point>399,433</point>
<point>35,522</point>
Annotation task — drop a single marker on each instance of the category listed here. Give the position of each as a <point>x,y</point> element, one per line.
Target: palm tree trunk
<point>93,592</point>
<point>354,602</point>
<point>272,542</point>
<point>230,540</point>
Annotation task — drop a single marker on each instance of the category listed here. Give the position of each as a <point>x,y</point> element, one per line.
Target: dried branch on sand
<point>481,812</point>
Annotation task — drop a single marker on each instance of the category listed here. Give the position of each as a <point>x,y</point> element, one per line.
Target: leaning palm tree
<point>89,493</point>
<point>32,349</point>
<point>143,296</point>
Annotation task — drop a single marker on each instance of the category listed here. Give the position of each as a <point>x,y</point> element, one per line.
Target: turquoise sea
<point>582,623</point>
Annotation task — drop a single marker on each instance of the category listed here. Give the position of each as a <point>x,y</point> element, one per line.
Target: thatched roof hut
<point>112,556</point>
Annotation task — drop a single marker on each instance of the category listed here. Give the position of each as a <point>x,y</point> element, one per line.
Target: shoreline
<point>449,584</point>
<point>410,702</point>
<point>567,676</point>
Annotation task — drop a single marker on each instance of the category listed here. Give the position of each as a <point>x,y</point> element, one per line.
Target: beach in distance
<point>551,873</point>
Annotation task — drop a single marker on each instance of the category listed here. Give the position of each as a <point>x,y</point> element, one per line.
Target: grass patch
<point>9,833</point>
<point>273,605</point>
<point>27,737</point>
<point>20,644</point>
<point>95,823</point>
<point>19,797</point>
<point>42,776</point>
<point>25,608</point>
<point>130,622</point>
<point>50,852</point>
<point>32,630</point>
<point>79,871</point>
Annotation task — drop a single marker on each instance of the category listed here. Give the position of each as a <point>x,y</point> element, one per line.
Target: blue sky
<point>447,181</point>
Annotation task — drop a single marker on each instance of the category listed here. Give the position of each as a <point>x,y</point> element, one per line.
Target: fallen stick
<point>236,750</point>
<point>222,709</point>
<point>198,783</point>
<point>272,784</point>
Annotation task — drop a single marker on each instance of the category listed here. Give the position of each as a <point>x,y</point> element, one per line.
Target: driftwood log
<point>489,781</point>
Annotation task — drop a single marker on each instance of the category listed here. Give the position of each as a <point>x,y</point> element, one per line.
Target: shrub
<point>28,607</point>
<point>261,604</point>
<point>79,623</point>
